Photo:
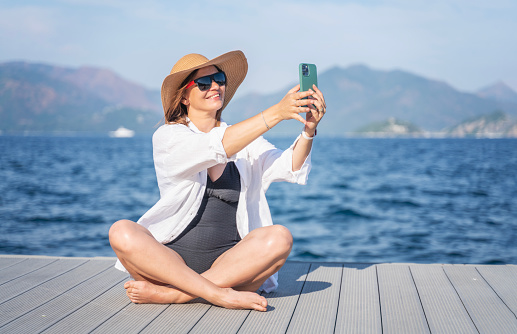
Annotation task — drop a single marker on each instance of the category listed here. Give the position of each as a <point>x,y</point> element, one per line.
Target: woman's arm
<point>301,150</point>
<point>238,136</point>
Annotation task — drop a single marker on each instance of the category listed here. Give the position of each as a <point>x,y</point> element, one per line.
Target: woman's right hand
<point>238,136</point>
<point>292,104</point>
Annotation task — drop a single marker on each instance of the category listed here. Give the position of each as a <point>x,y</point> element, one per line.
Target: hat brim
<point>233,63</point>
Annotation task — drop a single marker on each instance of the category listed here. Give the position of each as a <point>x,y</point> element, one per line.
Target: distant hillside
<point>358,95</point>
<point>500,92</point>
<point>496,124</point>
<point>37,97</point>
<point>390,128</point>
<point>492,125</point>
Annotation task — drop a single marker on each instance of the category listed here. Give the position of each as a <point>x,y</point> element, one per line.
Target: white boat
<point>122,132</point>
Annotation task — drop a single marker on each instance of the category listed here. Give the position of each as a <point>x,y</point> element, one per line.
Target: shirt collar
<point>194,128</point>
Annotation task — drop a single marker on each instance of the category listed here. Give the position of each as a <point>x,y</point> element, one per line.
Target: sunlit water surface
<point>367,200</point>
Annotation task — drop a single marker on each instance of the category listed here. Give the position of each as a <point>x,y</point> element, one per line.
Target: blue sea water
<point>367,200</point>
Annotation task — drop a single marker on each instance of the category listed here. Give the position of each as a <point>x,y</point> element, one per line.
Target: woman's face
<point>210,100</point>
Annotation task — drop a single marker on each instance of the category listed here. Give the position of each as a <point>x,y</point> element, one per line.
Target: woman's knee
<point>121,234</point>
<point>279,239</point>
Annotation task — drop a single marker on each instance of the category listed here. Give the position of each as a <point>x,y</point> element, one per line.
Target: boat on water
<point>122,132</point>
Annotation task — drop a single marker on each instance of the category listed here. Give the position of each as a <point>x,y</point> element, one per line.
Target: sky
<point>468,44</point>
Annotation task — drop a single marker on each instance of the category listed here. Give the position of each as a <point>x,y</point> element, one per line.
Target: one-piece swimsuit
<point>213,230</point>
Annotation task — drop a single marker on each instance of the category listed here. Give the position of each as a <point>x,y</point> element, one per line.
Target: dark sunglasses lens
<point>220,78</point>
<point>204,83</point>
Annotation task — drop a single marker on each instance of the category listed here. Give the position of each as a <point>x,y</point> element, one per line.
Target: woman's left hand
<point>318,108</point>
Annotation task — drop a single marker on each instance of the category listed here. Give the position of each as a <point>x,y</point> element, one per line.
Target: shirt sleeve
<point>277,165</point>
<point>181,153</point>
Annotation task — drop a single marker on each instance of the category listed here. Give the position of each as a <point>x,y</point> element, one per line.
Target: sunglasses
<point>204,83</point>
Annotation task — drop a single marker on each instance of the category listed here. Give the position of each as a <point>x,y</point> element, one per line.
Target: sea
<point>367,200</point>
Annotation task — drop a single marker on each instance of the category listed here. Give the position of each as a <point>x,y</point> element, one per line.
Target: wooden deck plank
<point>443,308</point>
<point>93,314</point>
<point>68,274</point>
<point>23,268</point>
<point>179,318</point>
<point>33,279</point>
<point>487,310</point>
<point>6,262</point>
<point>219,320</point>
<point>281,303</point>
<point>58,308</point>
<point>317,307</point>
<point>503,279</point>
<point>359,308</point>
<point>400,305</point>
<point>36,278</point>
<point>131,319</point>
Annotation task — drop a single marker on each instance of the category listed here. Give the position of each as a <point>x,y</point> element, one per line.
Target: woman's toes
<point>262,304</point>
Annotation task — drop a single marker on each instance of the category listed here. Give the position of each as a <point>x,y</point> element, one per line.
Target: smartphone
<point>308,76</point>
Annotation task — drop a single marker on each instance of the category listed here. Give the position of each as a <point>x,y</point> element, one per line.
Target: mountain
<point>359,95</point>
<point>45,98</point>
<point>500,92</point>
<point>38,97</point>
<point>496,124</point>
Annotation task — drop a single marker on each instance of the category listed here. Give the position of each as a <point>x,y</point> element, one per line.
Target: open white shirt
<point>182,154</point>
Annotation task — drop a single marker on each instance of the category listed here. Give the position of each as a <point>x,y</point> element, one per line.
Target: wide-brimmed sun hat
<point>233,63</point>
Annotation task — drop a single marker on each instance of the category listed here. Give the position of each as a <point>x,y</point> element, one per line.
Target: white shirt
<point>182,156</point>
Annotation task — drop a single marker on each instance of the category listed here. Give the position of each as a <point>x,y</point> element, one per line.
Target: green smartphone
<point>308,76</point>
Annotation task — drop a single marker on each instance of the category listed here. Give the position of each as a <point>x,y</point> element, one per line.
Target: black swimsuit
<point>214,228</point>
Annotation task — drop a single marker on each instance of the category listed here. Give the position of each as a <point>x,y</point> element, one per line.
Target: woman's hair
<point>177,111</point>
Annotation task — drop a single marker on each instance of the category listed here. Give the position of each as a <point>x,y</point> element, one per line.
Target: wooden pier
<point>83,295</point>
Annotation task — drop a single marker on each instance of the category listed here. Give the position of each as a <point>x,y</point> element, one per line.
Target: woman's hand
<point>318,107</point>
<point>311,102</point>
<point>293,104</point>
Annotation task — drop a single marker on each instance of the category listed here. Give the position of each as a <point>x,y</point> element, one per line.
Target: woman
<point>211,235</point>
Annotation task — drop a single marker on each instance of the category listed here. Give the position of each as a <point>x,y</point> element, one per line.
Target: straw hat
<point>233,63</point>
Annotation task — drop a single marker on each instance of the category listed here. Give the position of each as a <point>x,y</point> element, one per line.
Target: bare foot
<point>144,292</point>
<point>242,300</point>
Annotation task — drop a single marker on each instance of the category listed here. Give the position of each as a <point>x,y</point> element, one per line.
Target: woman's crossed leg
<point>161,275</point>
